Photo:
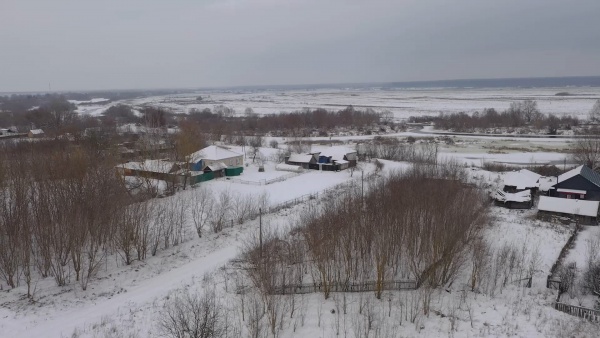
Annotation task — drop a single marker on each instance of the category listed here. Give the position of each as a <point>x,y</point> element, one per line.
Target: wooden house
<point>580,183</point>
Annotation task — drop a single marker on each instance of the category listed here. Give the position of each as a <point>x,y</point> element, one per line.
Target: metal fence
<point>578,311</point>
<point>344,287</point>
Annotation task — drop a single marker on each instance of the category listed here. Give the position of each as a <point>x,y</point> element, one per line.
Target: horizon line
<point>323,85</point>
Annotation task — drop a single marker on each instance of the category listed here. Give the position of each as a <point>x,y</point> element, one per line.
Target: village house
<point>218,160</point>
<point>303,160</point>
<point>325,158</point>
<point>343,157</point>
<point>580,183</point>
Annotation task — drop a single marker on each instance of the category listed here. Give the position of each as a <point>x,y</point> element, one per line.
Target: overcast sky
<point>83,45</point>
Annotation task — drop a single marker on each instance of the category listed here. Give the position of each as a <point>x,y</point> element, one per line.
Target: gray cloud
<point>184,43</point>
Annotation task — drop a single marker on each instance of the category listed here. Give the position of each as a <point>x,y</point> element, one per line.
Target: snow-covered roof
<point>213,153</point>
<point>288,167</point>
<point>217,166</point>
<point>336,152</point>
<point>545,183</point>
<point>572,191</point>
<point>300,158</point>
<point>568,206</point>
<point>341,162</point>
<point>521,179</point>
<point>584,171</point>
<point>36,131</point>
<point>521,196</point>
<point>155,166</point>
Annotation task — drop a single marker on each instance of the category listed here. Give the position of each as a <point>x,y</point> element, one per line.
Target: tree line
<point>523,114</point>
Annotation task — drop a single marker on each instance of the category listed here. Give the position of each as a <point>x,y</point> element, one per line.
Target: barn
<point>156,169</point>
<point>302,160</point>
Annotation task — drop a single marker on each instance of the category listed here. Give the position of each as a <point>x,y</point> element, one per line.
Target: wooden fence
<point>552,282</point>
<point>344,287</point>
<point>578,311</point>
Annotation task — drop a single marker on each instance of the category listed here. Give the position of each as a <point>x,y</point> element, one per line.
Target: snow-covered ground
<point>126,300</point>
<point>403,103</point>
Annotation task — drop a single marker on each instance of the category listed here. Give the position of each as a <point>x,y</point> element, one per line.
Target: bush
<point>192,315</point>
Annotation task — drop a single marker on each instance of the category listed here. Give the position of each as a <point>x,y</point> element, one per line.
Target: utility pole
<point>362,185</point>
<point>260,232</point>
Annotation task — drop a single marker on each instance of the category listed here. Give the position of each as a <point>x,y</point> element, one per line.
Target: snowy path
<point>63,323</point>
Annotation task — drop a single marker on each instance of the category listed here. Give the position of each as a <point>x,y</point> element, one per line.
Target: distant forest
<point>524,114</point>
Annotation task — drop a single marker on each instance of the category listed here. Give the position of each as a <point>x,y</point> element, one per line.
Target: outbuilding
<point>583,211</point>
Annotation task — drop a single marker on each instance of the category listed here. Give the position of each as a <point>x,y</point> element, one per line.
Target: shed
<point>518,200</point>
<point>584,211</point>
<point>35,133</point>
<point>218,169</point>
<point>156,169</point>
<point>523,179</point>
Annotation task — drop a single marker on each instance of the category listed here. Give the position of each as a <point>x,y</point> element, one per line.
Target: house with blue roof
<point>581,183</point>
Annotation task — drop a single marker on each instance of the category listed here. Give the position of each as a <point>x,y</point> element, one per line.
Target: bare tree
<point>201,208</point>
<point>192,315</point>
<point>587,151</point>
<point>594,115</point>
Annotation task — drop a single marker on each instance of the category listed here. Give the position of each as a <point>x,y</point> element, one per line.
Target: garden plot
<point>253,175</point>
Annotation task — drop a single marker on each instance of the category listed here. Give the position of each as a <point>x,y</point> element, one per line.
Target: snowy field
<point>403,103</point>
<point>125,301</point>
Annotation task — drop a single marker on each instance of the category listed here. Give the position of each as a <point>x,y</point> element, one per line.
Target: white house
<point>215,156</point>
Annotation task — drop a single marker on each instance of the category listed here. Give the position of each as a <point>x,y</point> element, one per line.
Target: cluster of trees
<point>523,114</point>
<point>64,212</point>
<point>395,150</point>
<point>53,112</point>
<point>410,225</point>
